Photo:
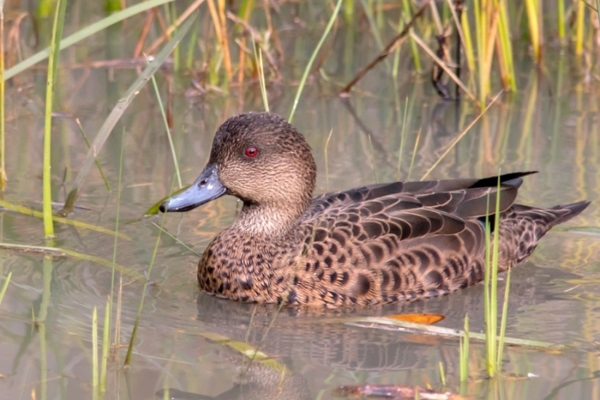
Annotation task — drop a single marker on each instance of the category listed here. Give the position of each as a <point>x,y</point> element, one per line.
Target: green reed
<point>579,27</point>
<point>261,75</point>
<point>413,46</point>
<point>560,20</point>
<point>532,8</point>
<point>313,57</point>
<point>442,373</point>
<point>167,128</point>
<point>189,60</point>
<point>2,102</point>
<point>95,350</point>
<point>44,9</point>
<point>402,136</point>
<point>53,56</point>
<point>494,340</point>
<point>326,156</point>
<point>505,56</point>
<point>105,346</point>
<point>5,286</point>
<point>464,355</point>
<point>144,291</point>
<point>113,5</point>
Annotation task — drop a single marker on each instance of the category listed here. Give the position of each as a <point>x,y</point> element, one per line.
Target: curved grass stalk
<point>78,224</point>
<point>313,57</point>
<point>169,136</point>
<point>261,73</point>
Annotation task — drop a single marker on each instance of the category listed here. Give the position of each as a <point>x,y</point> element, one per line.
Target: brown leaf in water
<point>395,392</point>
<point>426,319</point>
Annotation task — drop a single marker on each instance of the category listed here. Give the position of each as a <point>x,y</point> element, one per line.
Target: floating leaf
<point>426,319</point>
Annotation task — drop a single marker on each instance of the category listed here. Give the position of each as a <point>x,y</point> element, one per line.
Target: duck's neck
<point>269,221</point>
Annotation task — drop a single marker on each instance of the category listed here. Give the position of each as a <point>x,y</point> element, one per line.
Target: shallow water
<point>550,126</point>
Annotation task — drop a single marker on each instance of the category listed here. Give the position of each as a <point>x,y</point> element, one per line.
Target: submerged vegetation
<point>467,50</point>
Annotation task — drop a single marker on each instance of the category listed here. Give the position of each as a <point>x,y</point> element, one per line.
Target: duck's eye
<point>251,152</point>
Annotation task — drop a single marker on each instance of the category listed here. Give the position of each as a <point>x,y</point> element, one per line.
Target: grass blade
<point>534,30</point>
<point>503,321</point>
<point>144,291</point>
<point>2,101</point>
<point>164,116</point>
<point>5,286</point>
<point>313,57</point>
<point>105,346</point>
<point>413,46</point>
<point>261,74</point>
<point>464,353</point>
<point>87,142</point>
<point>84,33</point>
<point>94,349</point>
<point>77,224</point>
<point>141,306</point>
<point>579,27</point>
<point>175,238</point>
<point>59,19</point>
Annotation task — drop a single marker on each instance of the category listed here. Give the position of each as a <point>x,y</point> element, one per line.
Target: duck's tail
<point>522,227</point>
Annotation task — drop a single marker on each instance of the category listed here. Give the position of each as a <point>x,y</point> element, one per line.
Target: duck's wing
<point>400,241</point>
<point>437,188</point>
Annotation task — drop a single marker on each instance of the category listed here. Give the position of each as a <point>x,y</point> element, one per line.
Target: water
<point>550,126</point>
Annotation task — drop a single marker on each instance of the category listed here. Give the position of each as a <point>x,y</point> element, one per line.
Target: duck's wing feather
<point>461,196</point>
<point>402,240</point>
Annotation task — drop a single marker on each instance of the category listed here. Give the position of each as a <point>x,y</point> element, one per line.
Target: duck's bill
<point>206,188</point>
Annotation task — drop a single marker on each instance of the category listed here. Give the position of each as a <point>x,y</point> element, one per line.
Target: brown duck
<point>370,245</point>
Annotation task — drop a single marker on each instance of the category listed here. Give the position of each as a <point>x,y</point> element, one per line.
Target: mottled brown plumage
<point>371,245</point>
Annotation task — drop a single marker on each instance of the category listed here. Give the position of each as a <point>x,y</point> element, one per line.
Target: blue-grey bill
<point>206,188</point>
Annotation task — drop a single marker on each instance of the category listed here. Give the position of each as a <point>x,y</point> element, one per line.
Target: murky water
<point>552,126</point>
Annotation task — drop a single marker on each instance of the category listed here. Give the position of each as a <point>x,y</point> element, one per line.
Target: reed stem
<point>2,102</point>
<point>59,18</point>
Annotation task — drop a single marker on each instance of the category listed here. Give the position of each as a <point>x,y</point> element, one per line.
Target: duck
<point>370,245</point>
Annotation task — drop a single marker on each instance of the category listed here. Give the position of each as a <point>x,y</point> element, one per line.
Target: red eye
<point>251,152</point>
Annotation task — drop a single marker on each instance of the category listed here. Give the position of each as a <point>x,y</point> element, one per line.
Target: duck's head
<point>259,158</point>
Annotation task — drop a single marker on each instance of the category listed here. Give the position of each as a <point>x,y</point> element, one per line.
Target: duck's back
<point>402,241</point>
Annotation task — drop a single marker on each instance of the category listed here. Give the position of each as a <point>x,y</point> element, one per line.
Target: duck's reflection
<point>306,339</point>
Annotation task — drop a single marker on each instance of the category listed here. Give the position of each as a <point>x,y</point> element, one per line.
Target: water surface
<point>550,126</point>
